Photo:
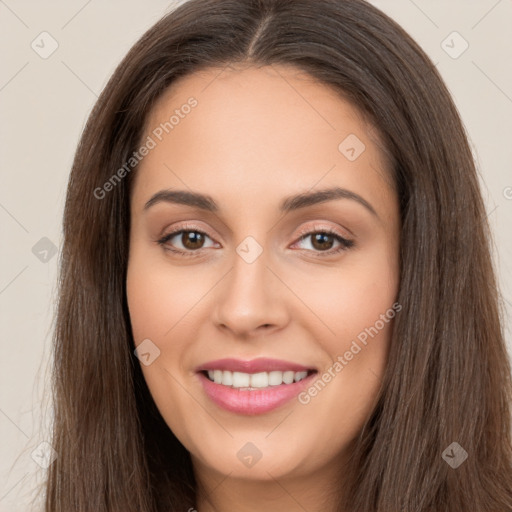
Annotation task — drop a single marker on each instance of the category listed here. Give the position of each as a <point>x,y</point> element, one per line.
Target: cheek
<point>353,310</point>
<point>158,302</point>
<point>348,299</point>
<point>158,296</point>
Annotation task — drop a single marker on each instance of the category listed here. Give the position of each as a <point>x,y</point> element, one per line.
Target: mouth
<point>253,387</point>
<point>260,380</point>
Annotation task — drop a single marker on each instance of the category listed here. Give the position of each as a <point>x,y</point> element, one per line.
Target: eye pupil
<point>321,239</point>
<point>192,239</point>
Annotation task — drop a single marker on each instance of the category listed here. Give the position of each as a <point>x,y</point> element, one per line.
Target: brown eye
<point>322,241</point>
<point>192,239</point>
<point>185,242</point>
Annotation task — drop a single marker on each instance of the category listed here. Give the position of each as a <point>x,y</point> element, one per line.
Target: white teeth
<point>288,377</point>
<point>275,378</point>
<point>259,380</point>
<point>240,380</point>
<point>227,378</point>
<point>255,380</point>
<point>300,376</point>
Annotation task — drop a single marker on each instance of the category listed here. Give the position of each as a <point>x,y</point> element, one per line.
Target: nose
<point>251,299</point>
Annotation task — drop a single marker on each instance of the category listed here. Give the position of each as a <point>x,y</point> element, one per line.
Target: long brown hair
<point>448,377</point>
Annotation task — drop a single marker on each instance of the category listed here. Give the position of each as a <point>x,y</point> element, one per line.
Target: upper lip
<point>261,364</point>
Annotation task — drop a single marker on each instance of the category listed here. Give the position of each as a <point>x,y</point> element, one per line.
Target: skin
<point>255,137</point>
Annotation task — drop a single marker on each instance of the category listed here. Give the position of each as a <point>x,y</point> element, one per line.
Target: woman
<point>276,287</point>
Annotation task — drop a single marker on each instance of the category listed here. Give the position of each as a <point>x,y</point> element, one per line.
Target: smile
<point>253,387</point>
<point>255,380</point>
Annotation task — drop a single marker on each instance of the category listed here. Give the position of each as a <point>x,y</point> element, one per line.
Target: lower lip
<point>252,402</point>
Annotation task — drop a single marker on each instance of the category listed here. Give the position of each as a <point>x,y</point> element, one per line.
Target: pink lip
<point>261,364</point>
<point>252,401</point>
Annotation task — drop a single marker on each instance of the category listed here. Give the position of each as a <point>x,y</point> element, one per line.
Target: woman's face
<point>273,282</point>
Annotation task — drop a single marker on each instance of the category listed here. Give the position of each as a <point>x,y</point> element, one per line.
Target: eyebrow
<point>291,203</point>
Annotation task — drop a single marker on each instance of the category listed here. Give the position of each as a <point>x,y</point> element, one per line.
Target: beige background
<point>43,107</point>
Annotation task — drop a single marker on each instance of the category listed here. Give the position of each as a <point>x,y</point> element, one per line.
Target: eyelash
<point>344,242</point>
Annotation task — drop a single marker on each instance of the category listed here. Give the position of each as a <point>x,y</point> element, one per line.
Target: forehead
<point>253,127</point>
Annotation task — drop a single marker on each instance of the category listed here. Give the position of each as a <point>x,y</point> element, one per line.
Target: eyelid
<point>316,227</point>
<point>184,226</point>
<point>345,243</point>
<point>187,226</point>
<point>303,233</point>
